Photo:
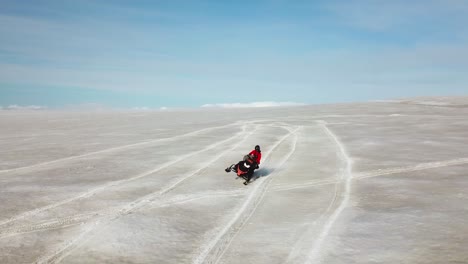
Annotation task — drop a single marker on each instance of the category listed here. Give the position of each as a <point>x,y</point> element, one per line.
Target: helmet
<point>257,148</point>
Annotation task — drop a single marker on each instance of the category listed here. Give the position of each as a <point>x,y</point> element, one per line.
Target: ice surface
<point>380,182</point>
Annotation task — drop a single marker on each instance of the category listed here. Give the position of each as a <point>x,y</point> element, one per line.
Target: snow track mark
<point>213,251</point>
<point>58,223</point>
<point>48,225</point>
<point>119,182</point>
<point>68,247</point>
<point>379,172</point>
<point>304,185</point>
<point>418,167</point>
<point>314,255</point>
<point>34,166</point>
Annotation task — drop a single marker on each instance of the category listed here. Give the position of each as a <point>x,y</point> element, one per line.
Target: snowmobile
<point>244,168</point>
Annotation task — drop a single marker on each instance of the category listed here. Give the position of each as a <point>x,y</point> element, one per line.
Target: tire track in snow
<point>179,199</point>
<point>307,232</point>
<point>213,251</point>
<point>302,242</point>
<point>49,225</point>
<point>79,219</point>
<point>304,185</point>
<point>43,164</point>
<point>314,255</point>
<point>379,172</point>
<point>64,222</point>
<point>417,167</point>
<point>57,255</point>
<point>119,182</point>
<point>66,248</point>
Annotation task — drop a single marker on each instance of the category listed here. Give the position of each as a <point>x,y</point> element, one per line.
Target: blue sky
<point>126,54</point>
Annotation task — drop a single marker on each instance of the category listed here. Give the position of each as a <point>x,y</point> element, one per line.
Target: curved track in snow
<point>52,162</point>
<point>103,187</point>
<point>213,250</point>
<point>376,173</point>
<point>315,252</point>
<point>92,227</point>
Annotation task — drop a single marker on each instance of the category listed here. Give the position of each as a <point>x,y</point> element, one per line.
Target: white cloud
<point>19,107</point>
<point>143,108</point>
<point>253,104</point>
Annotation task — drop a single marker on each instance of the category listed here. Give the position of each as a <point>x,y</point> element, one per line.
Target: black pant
<point>251,171</point>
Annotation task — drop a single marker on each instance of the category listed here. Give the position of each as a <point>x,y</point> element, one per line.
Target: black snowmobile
<point>244,168</point>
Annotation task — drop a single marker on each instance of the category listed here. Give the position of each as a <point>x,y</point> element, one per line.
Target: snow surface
<point>374,182</point>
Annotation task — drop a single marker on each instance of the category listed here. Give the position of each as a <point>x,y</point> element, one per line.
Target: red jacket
<point>256,154</point>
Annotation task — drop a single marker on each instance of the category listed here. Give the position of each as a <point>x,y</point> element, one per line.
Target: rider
<point>257,153</point>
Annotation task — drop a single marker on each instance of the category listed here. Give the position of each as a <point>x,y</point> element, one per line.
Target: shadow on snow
<point>262,172</point>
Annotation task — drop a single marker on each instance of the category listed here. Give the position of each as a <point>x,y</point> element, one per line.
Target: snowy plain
<point>376,182</point>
